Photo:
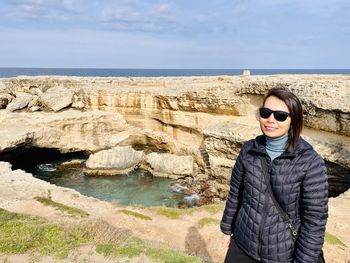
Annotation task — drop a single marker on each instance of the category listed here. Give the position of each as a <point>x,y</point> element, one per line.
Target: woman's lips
<point>268,128</point>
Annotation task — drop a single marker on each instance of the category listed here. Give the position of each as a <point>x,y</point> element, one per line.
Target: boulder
<point>170,165</point>
<point>34,90</point>
<point>57,98</point>
<point>20,102</point>
<point>118,160</point>
<point>34,104</point>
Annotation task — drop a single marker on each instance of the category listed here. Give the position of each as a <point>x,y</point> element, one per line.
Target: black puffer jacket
<point>299,182</point>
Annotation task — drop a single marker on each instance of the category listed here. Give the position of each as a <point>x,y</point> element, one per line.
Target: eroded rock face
<point>20,184</point>
<point>207,118</point>
<point>169,165</point>
<point>67,131</point>
<point>323,96</point>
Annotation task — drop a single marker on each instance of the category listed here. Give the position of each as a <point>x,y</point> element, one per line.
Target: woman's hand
<point>225,241</point>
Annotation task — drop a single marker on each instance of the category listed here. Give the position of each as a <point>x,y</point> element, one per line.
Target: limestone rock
<point>5,99</point>
<point>117,160</point>
<point>170,165</point>
<point>57,98</point>
<point>78,100</point>
<point>20,184</point>
<point>207,118</point>
<point>75,163</point>
<point>34,104</point>
<point>21,101</point>
<point>34,90</point>
<point>5,167</point>
<point>4,88</point>
<point>68,131</point>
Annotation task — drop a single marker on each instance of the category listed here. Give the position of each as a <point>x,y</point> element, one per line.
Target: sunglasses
<point>279,115</point>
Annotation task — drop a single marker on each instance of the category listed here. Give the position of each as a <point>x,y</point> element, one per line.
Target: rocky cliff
<point>207,118</point>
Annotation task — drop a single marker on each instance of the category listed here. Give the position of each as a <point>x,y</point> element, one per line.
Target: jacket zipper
<point>264,213</point>
<point>262,225</point>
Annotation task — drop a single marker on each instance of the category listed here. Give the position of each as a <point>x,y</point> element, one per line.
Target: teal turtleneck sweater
<point>276,146</point>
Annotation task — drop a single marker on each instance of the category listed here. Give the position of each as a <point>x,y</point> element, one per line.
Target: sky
<point>221,34</point>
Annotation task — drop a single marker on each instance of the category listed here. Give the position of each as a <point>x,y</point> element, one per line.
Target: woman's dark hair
<point>295,111</point>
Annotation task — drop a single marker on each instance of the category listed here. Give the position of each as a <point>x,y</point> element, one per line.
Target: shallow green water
<point>137,187</point>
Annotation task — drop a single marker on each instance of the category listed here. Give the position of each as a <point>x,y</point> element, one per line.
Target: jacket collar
<point>259,146</point>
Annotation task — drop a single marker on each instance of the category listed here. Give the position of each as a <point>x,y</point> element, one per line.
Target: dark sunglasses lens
<point>280,115</point>
<point>265,113</point>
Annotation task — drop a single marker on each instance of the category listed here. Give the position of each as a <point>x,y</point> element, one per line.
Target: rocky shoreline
<point>196,124</point>
<point>187,128</point>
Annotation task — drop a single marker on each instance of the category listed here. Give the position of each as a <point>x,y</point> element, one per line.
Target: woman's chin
<point>272,134</point>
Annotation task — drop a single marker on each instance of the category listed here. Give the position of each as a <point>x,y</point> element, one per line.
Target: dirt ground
<point>18,189</point>
<point>183,233</point>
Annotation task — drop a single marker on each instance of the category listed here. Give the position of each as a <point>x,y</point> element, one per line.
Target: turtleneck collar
<point>276,146</point>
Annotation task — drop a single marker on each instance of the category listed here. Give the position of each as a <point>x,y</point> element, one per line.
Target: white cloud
<point>127,15</point>
<point>40,10</point>
<point>322,8</point>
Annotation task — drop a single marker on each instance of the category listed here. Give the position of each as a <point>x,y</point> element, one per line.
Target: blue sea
<point>100,72</point>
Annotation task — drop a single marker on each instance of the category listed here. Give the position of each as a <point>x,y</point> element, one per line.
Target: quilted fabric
<point>299,182</point>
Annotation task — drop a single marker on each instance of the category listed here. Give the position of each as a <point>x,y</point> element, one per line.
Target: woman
<point>254,229</point>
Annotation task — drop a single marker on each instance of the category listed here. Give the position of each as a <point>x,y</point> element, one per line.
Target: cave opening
<point>66,170</point>
<point>28,157</point>
<point>338,179</point>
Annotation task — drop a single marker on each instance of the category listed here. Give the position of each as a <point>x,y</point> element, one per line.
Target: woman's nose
<point>271,118</point>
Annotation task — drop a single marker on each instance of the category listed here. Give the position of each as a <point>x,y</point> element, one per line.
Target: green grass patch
<point>27,234</point>
<point>134,214</point>
<point>208,221</point>
<point>170,256</point>
<point>61,207</point>
<point>176,213</point>
<point>329,238</point>
<point>135,247</point>
<point>172,213</point>
<point>212,208</point>
<point>130,247</point>
<point>35,236</point>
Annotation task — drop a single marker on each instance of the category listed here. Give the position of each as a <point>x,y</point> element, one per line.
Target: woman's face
<point>270,126</point>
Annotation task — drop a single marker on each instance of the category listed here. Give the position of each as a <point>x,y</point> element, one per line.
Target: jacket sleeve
<point>314,213</point>
<point>233,202</point>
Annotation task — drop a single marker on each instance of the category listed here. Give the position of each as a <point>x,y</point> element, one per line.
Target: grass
<point>176,213</point>
<point>129,247</point>
<point>27,234</point>
<point>329,238</point>
<point>170,256</point>
<point>61,207</point>
<point>212,208</point>
<point>172,213</point>
<point>136,247</point>
<point>134,214</point>
<point>208,221</point>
